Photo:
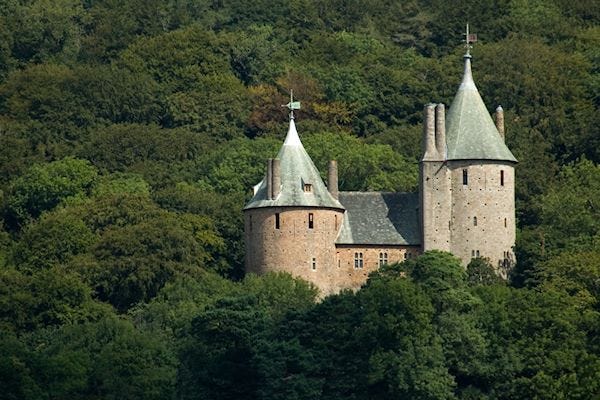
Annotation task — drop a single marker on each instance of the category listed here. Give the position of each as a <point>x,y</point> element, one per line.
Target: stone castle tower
<point>292,222</point>
<point>467,185</point>
<point>465,204</point>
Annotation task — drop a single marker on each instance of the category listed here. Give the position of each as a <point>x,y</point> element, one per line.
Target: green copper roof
<point>470,132</point>
<point>377,218</point>
<point>297,169</point>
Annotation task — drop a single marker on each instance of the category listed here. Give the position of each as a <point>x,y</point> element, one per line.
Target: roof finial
<point>469,38</point>
<point>292,105</point>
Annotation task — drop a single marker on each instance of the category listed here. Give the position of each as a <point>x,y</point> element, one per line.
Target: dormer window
<point>308,188</point>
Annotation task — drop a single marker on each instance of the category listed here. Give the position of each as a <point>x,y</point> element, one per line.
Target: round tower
<point>474,181</point>
<point>292,221</point>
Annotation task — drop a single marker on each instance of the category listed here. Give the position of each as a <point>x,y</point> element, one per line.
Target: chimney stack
<point>276,176</point>
<point>440,130</point>
<point>270,179</point>
<point>332,179</point>
<point>429,151</point>
<point>500,121</point>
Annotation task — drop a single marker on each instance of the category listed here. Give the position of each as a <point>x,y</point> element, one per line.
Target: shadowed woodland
<point>132,131</point>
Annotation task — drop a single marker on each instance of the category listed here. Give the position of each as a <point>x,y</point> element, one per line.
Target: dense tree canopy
<point>131,133</point>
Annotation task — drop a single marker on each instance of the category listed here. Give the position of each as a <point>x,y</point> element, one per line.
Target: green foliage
<point>52,241</point>
<point>155,98</point>
<point>481,272</point>
<point>361,166</point>
<point>43,186</point>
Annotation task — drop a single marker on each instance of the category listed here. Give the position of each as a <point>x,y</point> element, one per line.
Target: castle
<point>465,203</point>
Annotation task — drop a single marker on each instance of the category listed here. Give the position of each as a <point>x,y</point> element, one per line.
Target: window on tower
<point>474,221</point>
<point>314,263</point>
<point>501,178</point>
<point>465,177</point>
<point>311,221</point>
<point>277,221</point>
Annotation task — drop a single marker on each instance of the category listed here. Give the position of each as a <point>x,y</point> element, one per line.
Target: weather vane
<point>469,38</point>
<point>292,105</point>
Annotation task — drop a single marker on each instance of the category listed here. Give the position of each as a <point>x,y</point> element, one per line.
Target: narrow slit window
<point>474,221</point>
<point>502,178</point>
<point>311,221</point>
<point>505,222</point>
<point>314,263</point>
<point>472,253</point>
<point>465,177</point>
<point>477,253</point>
<point>336,223</point>
<point>277,221</point>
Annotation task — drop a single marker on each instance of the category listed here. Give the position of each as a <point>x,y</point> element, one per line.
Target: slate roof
<point>470,132</point>
<point>297,169</point>
<point>379,218</point>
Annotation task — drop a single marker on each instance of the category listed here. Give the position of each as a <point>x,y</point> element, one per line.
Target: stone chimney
<point>270,179</point>
<point>332,179</point>
<point>276,178</point>
<point>428,146</point>
<point>440,130</point>
<point>500,121</point>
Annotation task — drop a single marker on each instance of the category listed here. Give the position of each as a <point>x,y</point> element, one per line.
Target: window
<point>277,221</point>
<point>505,222</point>
<point>336,222</point>
<point>311,221</point>
<point>308,188</point>
<point>474,221</point>
<point>250,222</point>
<point>465,177</point>
<point>314,263</point>
<point>472,253</point>
<point>405,255</point>
<point>383,259</point>
<point>358,260</point>
<point>501,178</point>
<point>477,253</point>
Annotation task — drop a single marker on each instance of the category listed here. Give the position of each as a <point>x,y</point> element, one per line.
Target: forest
<point>132,131</point>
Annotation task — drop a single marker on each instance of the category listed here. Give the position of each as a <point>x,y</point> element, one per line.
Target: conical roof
<point>470,132</point>
<point>297,169</point>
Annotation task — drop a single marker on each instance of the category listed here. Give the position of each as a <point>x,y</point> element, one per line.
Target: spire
<point>299,183</point>
<point>470,131</point>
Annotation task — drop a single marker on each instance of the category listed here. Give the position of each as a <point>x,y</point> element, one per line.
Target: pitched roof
<point>297,169</point>
<point>470,132</point>
<point>378,218</point>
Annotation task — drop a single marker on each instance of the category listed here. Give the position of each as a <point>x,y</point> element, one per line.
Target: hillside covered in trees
<point>131,132</point>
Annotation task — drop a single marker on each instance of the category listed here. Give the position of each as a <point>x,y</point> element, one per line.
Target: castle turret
<point>475,183</point>
<point>294,229</point>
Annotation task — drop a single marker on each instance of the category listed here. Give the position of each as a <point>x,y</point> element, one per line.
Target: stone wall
<point>352,275</point>
<point>483,212</point>
<point>308,253</point>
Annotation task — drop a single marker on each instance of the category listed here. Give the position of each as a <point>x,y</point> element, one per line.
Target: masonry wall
<point>435,198</point>
<point>352,274</point>
<point>483,212</point>
<point>294,247</point>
